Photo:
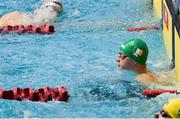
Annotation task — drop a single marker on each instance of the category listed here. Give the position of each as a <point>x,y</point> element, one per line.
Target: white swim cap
<point>57,6</point>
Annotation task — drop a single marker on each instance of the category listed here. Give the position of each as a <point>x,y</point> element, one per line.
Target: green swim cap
<point>136,49</point>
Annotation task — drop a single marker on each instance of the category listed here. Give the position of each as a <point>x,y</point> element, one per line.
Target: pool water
<point>81,56</point>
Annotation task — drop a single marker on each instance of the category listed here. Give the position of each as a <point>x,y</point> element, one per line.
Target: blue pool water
<point>81,56</point>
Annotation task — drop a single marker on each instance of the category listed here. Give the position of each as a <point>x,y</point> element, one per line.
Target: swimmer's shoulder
<point>11,14</point>
<point>15,18</point>
<point>147,78</point>
<point>163,78</point>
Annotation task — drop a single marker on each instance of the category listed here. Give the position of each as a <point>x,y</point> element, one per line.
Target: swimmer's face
<point>124,62</point>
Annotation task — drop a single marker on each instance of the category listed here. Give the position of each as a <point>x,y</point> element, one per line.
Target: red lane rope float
<point>44,94</point>
<point>154,93</point>
<point>153,27</point>
<point>43,29</point>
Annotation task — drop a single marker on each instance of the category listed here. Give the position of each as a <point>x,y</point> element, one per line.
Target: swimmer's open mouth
<point>58,3</point>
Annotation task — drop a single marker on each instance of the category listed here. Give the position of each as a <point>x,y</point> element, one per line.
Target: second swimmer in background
<point>48,11</point>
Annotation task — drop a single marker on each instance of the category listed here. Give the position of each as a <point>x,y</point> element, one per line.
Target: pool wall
<point>166,11</point>
<point>158,7</point>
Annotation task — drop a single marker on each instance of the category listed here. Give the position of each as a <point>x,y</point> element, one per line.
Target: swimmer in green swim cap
<point>133,56</point>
